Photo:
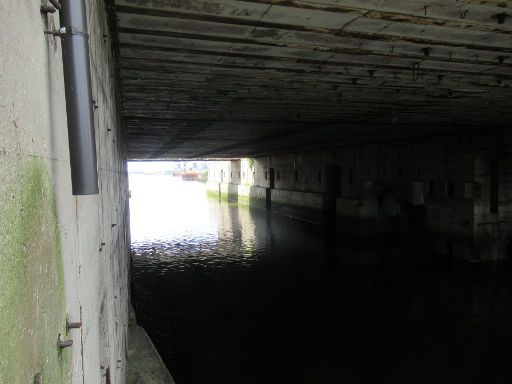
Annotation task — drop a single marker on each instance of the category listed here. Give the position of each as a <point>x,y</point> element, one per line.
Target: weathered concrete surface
<point>33,284</point>
<point>32,296</point>
<point>493,227</point>
<point>60,256</point>
<point>269,77</point>
<point>379,186</point>
<point>144,365</point>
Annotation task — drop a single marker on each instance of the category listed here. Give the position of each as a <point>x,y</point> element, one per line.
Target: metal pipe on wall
<point>56,3</point>
<point>79,108</point>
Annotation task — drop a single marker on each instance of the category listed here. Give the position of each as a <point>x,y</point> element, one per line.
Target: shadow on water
<point>261,298</point>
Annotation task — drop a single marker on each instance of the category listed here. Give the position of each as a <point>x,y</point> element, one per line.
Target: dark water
<point>247,297</point>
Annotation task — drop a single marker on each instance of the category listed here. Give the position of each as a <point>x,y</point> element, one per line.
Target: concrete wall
<point>60,256</point>
<point>493,225</point>
<point>229,171</point>
<point>441,183</point>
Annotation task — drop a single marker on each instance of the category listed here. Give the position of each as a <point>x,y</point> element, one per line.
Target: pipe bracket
<point>56,32</point>
<point>76,31</point>
<point>63,31</point>
<point>56,3</point>
<point>48,9</point>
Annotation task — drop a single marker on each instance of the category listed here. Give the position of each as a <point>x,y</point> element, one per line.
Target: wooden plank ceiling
<point>227,78</point>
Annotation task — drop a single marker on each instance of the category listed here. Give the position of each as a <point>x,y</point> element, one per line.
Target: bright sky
<point>158,166</point>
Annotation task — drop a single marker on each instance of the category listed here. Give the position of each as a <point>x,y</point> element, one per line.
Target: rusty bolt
<point>64,343</point>
<point>38,378</point>
<point>73,325</point>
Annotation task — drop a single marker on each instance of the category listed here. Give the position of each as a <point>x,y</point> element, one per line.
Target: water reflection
<point>231,295</point>
<point>163,207</point>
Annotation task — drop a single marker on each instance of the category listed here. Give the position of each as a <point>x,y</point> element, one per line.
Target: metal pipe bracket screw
<point>500,17</point>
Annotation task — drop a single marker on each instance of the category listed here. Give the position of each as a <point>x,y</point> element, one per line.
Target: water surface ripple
<point>232,295</point>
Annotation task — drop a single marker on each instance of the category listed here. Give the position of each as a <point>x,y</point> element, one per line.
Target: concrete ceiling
<point>226,78</point>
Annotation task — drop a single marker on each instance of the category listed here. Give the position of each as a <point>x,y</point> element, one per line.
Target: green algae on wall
<point>244,200</point>
<point>212,194</point>
<point>32,299</point>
